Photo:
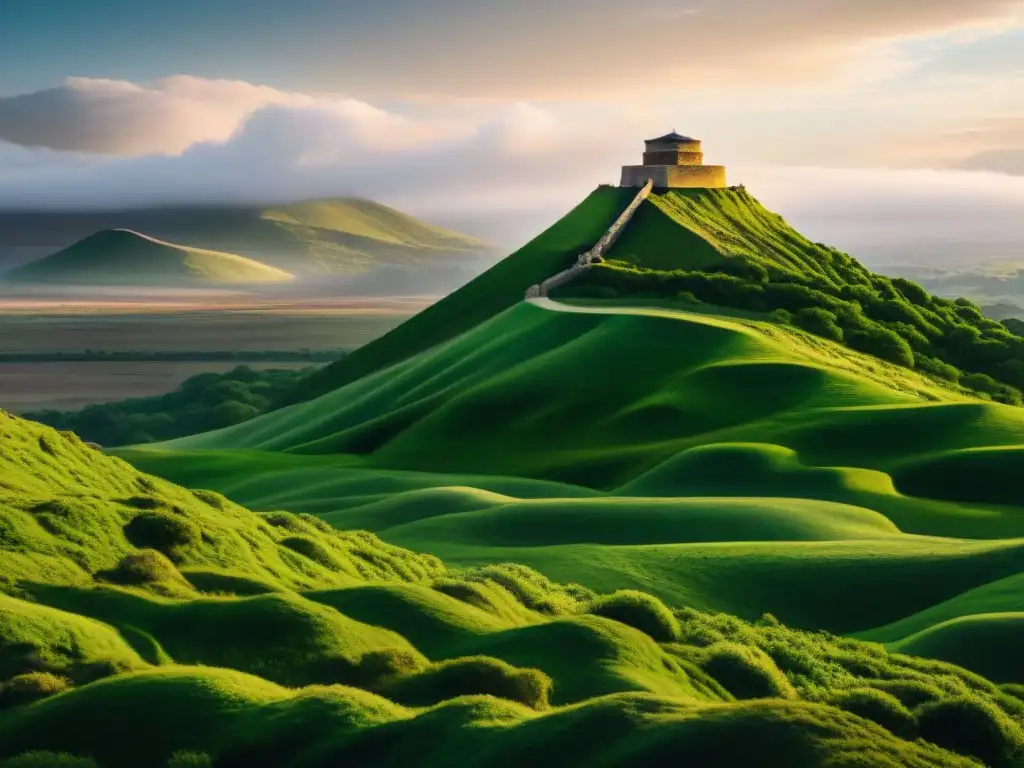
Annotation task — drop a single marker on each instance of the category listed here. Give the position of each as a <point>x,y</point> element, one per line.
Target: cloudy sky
<point>864,121</point>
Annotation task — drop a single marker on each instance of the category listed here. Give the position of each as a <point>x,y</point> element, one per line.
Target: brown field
<point>190,324</point>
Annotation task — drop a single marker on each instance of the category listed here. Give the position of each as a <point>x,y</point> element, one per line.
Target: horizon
<point>879,105</point>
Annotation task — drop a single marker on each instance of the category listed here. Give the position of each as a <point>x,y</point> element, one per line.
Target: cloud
<point>995,144</point>
<point>319,146</point>
<point>1009,161</point>
<point>901,216</point>
<point>169,116</point>
<point>487,162</point>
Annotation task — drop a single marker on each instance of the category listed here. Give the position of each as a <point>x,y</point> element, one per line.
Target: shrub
<point>820,322</point>
<point>640,611</point>
<point>970,727</point>
<point>210,498</point>
<point>937,368</point>
<point>147,566</point>
<point>883,343</point>
<point>311,549</point>
<point>163,532</point>
<point>232,412</point>
<point>370,671</point>
<point>882,708</point>
<point>470,675</point>
<point>528,587</point>
<point>377,667</point>
<point>47,760</point>
<point>911,693</point>
<point>32,686</point>
<point>746,672</point>
<point>286,520</point>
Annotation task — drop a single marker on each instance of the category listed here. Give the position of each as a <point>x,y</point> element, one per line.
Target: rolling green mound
<point>145,625</point>
<point>680,229</point>
<point>727,464</point>
<point>124,257</point>
<point>339,236</point>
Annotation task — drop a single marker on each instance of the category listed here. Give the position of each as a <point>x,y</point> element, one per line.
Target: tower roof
<point>670,137</point>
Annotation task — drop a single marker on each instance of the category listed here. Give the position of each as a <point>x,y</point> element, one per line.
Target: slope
<point>343,236</point>
<point>495,290</point>
<point>698,228</point>
<point>142,624</point>
<point>721,463</point>
<point>124,257</point>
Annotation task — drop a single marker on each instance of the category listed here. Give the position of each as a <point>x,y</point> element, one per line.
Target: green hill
<point>339,236</point>
<point>696,498</point>
<point>722,463</point>
<point>142,624</point>
<point>124,257</point>
<point>495,290</point>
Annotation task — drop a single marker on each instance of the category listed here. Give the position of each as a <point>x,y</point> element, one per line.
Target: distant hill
<point>338,236</point>
<point>125,257</point>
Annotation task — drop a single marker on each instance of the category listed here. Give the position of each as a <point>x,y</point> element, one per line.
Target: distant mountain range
<point>346,237</point>
<point>126,257</point>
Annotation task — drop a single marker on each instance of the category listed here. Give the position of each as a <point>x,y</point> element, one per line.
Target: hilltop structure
<point>673,161</point>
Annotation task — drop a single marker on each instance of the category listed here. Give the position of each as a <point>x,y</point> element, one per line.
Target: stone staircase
<point>595,254</point>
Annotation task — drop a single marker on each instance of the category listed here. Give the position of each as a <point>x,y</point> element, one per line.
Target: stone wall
<point>707,176</point>
<point>584,260</point>
<point>673,158</point>
<point>674,176</point>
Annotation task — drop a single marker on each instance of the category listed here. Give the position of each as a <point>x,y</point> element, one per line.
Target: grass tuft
<point>640,611</point>
<point>969,726</point>
<point>31,687</point>
<point>746,672</point>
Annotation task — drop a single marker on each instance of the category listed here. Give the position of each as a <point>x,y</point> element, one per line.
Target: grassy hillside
<point>698,228</point>
<point>343,236</point>
<point>722,248</point>
<point>484,297</point>
<point>721,463</point>
<point>142,624</point>
<point>124,257</point>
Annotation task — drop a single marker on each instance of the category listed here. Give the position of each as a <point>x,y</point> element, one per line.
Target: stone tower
<point>674,162</point>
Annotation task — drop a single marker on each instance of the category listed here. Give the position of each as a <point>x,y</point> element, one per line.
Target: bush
<point>882,343</point>
<point>471,675</point>
<point>47,760</point>
<point>911,693</point>
<point>746,672</point>
<point>162,531</point>
<point>970,727</point>
<point>640,611</point>
<point>882,708</point>
<point>232,412</point>
<point>937,368</point>
<point>147,566</point>
<point>311,549</point>
<point>820,322</point>
<point>30,687</point>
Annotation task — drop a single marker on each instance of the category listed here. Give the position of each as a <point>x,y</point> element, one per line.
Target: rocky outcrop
<point>595,254</point>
